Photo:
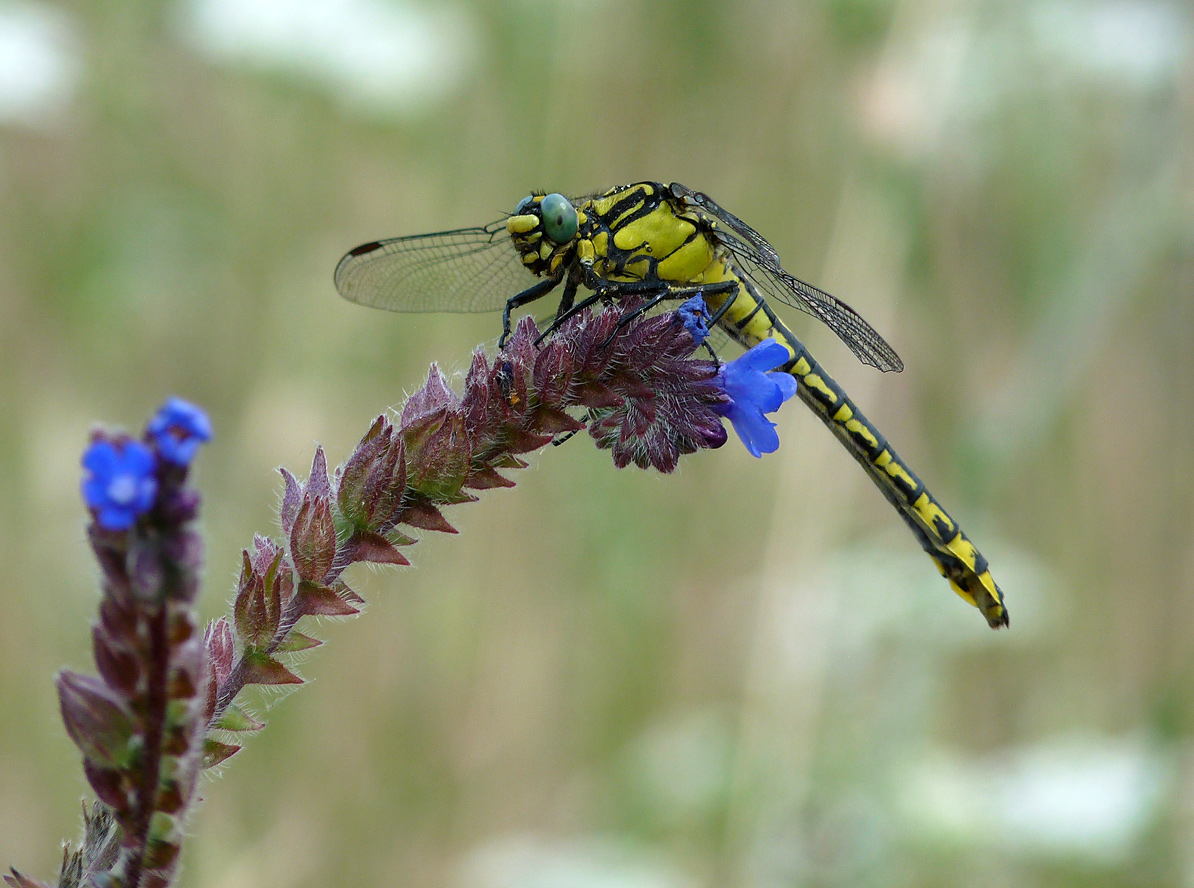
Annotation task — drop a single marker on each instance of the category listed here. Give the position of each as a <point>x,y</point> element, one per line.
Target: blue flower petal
<point>694,315</point>
<point>184,416</point>
<point>100,457</point>
<point>788,386</point>
<point>754,393</point>
<point>177,430</point>
<point>754,388</point>
<point>767,355</point>
<point>121,485</point>
<point>114,518</point>
<point>94,492</point>
<point>147,491</point>
<point>756,431</point>
<point>138,459</point>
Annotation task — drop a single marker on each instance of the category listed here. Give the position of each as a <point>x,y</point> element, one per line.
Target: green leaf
<point>296,641</point>
<point>236,719</point>
<point>215,752</point>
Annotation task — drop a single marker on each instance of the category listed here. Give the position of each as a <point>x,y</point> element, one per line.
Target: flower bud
<point>96,718</point>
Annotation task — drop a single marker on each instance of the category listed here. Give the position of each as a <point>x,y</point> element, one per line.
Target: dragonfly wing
<point>703,201</point>
<point>467,270</point>
<point>759,261</point>
<point>849,325</point>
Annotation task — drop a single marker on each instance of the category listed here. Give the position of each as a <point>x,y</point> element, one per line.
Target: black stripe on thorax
<point>688,240</point>
<point>635,194</point>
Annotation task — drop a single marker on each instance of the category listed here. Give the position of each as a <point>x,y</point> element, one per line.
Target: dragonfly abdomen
<point>749,320</point>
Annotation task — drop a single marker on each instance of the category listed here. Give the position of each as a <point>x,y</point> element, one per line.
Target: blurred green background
<point>742,674</point>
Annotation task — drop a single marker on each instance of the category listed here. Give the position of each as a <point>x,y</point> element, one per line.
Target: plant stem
<point>155,720</point>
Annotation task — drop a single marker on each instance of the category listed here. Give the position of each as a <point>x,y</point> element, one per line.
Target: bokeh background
<point>745,673</point>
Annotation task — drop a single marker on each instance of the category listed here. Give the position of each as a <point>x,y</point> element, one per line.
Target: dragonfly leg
<point>631,315</point>
<point>601,290</point>
<point>567,309</point>
<point>680,293</point>
<point>530,294</point>
<point>712,355</point>
<point>723,308</point>
<point>568,297</point>
<point>573,310</point>
<point>561,439</point>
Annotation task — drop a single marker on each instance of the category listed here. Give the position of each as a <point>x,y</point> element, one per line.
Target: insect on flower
<point>648,244</point>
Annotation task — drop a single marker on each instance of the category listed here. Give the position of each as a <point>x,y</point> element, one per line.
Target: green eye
<point>559,218</point>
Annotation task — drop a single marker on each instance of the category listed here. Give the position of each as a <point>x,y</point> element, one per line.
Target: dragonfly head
<point>543,229</point>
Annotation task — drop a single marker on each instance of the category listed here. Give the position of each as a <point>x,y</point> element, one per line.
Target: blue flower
<point>121,485</point>
<point>694,315</point>
<point>754,392</point>
<point>177,430</point>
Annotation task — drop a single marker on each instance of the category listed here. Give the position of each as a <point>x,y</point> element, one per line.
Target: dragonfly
<point>659,243</point>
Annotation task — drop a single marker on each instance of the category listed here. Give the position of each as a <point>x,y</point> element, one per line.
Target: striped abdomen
<point>749,321</point>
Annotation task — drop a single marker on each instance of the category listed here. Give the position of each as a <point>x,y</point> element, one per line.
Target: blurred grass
<point>739,674</point>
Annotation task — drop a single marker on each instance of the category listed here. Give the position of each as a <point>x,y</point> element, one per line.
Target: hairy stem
<point>151,762</point>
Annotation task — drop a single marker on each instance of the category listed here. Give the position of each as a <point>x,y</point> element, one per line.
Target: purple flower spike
<point>694,315</point>
<point>754,392</point>
<point>121,485</point>
<point>177,430</point>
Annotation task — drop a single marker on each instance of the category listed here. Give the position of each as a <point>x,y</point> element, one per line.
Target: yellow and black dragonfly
<point>658,243</point>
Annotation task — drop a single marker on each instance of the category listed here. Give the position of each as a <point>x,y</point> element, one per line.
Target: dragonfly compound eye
<point>559,218</point>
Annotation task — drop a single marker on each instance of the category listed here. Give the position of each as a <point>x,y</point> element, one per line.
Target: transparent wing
<point>467,270</point>
<point>758,260</point>
<point>849,325</point>
<point>712,208</point>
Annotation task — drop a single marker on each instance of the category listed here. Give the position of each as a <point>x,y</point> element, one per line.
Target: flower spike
<point>165,704</point>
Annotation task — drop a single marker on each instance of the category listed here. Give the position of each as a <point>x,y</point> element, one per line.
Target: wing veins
<point>761,263</point>
<point>463,270</point>
<point>849,326</point>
